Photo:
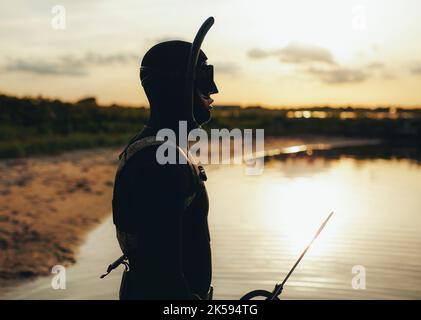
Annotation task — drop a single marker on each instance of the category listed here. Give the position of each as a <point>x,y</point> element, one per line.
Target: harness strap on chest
<point>143,143</point>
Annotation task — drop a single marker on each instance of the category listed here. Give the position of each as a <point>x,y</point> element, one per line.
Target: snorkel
<point>192,66</point>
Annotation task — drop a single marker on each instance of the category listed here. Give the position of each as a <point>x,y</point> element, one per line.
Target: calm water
<point>260,224</point>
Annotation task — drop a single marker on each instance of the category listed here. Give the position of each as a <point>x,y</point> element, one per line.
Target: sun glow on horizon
<point>268,53</point>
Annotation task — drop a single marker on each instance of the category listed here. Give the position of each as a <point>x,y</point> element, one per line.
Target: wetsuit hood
<point>174,75</point>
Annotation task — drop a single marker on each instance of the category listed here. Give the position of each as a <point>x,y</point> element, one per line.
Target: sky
<point>270,53</point>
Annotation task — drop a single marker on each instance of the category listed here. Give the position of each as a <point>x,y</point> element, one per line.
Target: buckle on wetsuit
<point>210,293</point>
<point>208,296</point>
<point>115,264</point>
<point>202,173</point>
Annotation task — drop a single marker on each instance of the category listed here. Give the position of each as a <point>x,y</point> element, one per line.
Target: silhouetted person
<point>160,211</point>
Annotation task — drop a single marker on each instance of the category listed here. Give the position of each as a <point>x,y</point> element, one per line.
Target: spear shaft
<point>280,286</point>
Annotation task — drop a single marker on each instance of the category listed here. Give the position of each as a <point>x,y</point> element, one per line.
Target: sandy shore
<point>47,205</point>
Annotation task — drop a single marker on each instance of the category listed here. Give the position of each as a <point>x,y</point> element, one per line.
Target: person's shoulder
<point>146,162</point>
<point>159,154</point>
<point>144,157</point>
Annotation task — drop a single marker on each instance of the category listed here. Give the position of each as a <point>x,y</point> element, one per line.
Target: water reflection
<point>261,226</point>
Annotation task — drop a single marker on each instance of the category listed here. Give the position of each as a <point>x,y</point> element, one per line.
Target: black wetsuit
<point>160,212</point>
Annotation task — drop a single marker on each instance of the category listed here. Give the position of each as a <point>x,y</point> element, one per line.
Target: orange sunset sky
<point>270,53</point>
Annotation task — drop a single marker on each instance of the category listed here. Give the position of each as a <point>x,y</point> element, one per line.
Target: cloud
<point>320,63</point>
<point>68,65</point>
<point>415,68</point>
<point>226,68</point>
<point>338,75</point>
<point>43,68</point>
<point>375,65</point>
<point>296,53</point>
<point>380,69</point>
<point>98,59</point>
<point>299,53</point>
<point>257,53</point>
<point>388,76</point>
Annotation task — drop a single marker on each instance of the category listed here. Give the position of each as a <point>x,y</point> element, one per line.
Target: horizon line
<point>229,104</point>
